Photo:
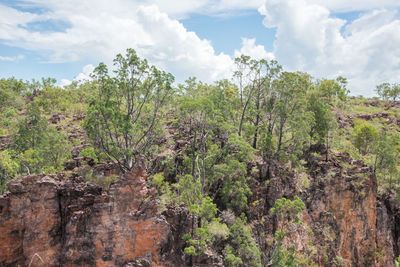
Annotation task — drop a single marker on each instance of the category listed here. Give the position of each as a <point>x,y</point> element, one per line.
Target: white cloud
<point>355,5</point>
<point>249,48</point>
<point>100,29</point>
<point>181,9</point>
<point>85,74</point>
<point>64,82</point>
<point>87,70</point>
<point>309,38</point>
<point>16,58</point>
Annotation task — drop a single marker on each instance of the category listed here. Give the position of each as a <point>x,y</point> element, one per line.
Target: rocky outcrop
<point>342,209</point>
<point>58,221</point>
<point>345,222</point>
<point>51,221</point>
<point>388,228</point>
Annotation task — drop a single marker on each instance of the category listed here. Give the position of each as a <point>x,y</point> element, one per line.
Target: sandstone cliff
<point>54,221</point>
<point>46,221</point>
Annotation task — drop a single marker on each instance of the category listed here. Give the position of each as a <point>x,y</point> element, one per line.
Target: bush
<point>90,153</point>
<point>364,137</point>
<point>241,249</point>
<point>39,146</point>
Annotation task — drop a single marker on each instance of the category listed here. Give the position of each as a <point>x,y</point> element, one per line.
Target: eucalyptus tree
<point>292,118</point>
<point>388,91</point>
<point>255,80</point>
<point>122,117</point>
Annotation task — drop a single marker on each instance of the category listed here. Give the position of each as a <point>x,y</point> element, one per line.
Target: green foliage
<point>255,79</point>
<point>8,120</point>
<point>235,190</point>
<point>10,93</point>
<point>287,209</point>
<point>230,259</point>
<point>388,91</point>
<point>210,230</point>
<point>288,214</point>
<point>11,101</point>
<point>323,119</point>
<point>364,136</point>
<point>189,190</point>
<point>122,118</point>
<point>218,230</point>
<point>239,149</point>
<point>397,262</point>
<point>104,181</point>
<point>89,152</point>
<point>39,146</point>
<point>386,151</point>
<point>241,249</point>
<point>292,128</point>
<point>333,89</point>
<point>206,209</point>
<point>8,169</point>
<point>227,130</point>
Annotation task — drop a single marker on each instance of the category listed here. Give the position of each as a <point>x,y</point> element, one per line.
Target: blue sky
<point>226,32</point>
<point>66,39</point>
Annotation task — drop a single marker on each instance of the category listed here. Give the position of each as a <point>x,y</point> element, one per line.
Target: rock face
<point>345,223</point>
<point>54,221</point>
<point>342,209</point>
<point>45,221</point>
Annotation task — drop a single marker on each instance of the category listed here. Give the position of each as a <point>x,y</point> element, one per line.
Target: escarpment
<point>47,221</point>
<point>54,221</point>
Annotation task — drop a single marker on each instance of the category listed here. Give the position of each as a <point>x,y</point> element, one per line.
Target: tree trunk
<point>256,131</point>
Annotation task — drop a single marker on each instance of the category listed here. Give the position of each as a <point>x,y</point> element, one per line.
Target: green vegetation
<point>364,135</point>
<point>220,134</point>
<point>121,119</point>
<point>388,91</point>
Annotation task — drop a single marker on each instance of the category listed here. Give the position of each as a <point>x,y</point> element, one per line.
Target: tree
<point>292,118</point>
<point>38,146</point>
<point>232,175</point>
<point>264,98</point>
<point>255,78</point>
<point>364,136</point>
<point>10,93</point>
<point>288,216</point>
<point>333,89</point>
<point>386,151</point>
<point>122,118</point>
<point>197,112</point>
<point>319,103</point>
<point>242,249</point>
<point>8,169</point>
<point>388,91</point>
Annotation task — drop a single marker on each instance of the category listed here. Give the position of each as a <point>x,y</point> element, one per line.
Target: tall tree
<point>388,91</point>
<point>121,119</point>
<point>255,80</point>
<point>292,119</point>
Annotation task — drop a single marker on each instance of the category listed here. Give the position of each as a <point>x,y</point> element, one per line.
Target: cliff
<point>55,221</point>
<point>47,221</point>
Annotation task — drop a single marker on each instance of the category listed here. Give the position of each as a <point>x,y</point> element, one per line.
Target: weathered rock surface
<point>350,224</point>
<point>54,221</point>
<point>45,221</point>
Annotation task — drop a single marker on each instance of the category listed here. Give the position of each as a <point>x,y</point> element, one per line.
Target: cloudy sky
<point>359,39</point>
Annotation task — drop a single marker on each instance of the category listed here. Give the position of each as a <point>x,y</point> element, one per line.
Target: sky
<point>357,39</point>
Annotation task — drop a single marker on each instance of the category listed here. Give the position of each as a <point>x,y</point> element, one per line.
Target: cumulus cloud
<point>249,48</point>
<point>310,38</point>
<point>181,9</point>
<point>87,70</point>
<point>98,30</point>
<point>355,5</point>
